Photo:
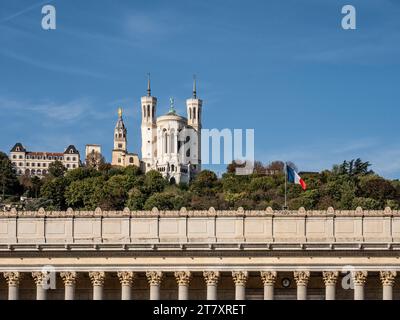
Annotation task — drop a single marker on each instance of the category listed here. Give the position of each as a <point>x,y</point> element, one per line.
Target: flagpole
<point>285,207</point>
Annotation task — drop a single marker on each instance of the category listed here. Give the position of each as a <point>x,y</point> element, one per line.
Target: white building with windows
<point>34,163</point>
<point>171,142</point>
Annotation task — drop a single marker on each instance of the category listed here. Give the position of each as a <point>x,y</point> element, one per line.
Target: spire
<point>194,87</point>
<point>119,112</point>
<point>148,85</point>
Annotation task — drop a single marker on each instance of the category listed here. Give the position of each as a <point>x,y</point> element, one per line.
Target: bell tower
<point>194,113</point>
<point>149,127</point>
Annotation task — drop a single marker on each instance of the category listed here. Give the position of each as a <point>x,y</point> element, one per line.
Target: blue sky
<point>314,93</point>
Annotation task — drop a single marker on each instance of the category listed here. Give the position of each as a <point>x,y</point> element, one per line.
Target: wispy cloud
<point>25,10</point>
<point>51,66</point>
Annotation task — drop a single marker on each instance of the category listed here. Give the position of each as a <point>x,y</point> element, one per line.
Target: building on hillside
<point>34,163</point>
<point>171,143</point>
<point>120,155</point>
<point>93,156</point>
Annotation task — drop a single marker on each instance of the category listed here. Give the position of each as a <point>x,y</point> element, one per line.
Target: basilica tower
<point>149,127</point>
<point>194,113</point>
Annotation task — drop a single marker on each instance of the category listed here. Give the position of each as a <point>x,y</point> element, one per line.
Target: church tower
<point>194,112</point>
<point>149,127</point>
<point>120,143</point>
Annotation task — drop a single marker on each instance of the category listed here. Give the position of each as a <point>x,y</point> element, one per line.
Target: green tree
<point>154,182</point>
<point>205,183</point>
<point>56,169</point>
<point>53,190</point>
<point>8,180</point>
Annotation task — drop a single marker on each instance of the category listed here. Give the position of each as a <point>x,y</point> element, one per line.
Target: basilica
<point>170,142</point>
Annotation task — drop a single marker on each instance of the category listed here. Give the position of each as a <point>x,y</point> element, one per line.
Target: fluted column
<point>97,278</point>
<point>13,278</point>
<point>302,278</point>
<point>126,278</point>
<point>387,278</point>
<point>154,278</point>
<point>69,279</point>
<point>41,279</point>
<point>183,279</point>
<point>330,279</point>
<point>359,279</point>
<point>211,278</point>
<point>240,279</point>
<point>268,278</point>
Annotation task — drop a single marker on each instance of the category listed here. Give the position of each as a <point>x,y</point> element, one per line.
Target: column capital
<point>183,277</point>
<point>211,277</point>
<point>359,277</point>
<point>268,277</point>
<point>40,277</point>
<point>387,277</point>
<point>13,278</point>
<point>240,277</point>
<point>68,277</point>
<point>97,278</point>
<point>126,277</point>
<point>154,277</point>
<point>301,277</point>
<point>330,277</point>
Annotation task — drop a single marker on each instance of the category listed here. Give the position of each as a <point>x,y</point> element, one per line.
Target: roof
<point>34,153</point>
<point>71,150</point>
<point>20,146</point>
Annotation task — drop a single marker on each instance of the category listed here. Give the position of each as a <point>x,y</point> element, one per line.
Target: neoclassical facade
<point>200,254</point>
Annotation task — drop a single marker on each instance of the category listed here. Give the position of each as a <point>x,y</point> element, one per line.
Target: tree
<point>53,189</point>
<point>86,193</point>
<point>95,160</point>
<point>205,183</point>
<point>8,180</point>
<point>154,182</point>
<point>56,169</point>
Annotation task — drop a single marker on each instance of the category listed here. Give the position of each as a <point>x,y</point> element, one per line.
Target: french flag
<point>293,176</point>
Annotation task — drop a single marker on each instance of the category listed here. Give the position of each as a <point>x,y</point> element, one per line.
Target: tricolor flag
<point>293,176</point>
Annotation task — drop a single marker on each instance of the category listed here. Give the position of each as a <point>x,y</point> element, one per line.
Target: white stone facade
<point>202,254</point>
<point>37,163</point>
<point>171,143</point>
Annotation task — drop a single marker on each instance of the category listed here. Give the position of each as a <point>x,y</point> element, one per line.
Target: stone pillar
<point>268,278</point>
<point>240,279</point>
<point>183,279</point>
<point>13,279</point>
<point>302,278</point>
<point>154,278</point>
<point>97,278</point>
<point>387,278</point>
<point>41,279</point>
<point>126,278</point>
<point>211,278</point>
<point>330,279</point>
<point>69,279</point>
<point>359,279</point>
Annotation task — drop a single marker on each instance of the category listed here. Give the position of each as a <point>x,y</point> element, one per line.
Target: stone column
<point>211,278</point>
<point>69,279</point>
<point>330,279</point>
<point>97,278</point>
<point>268,278</point>
<point>183,279</point>
<point>13,278</point>
<point>126,278</point>
<point>41,279</point>
<point>387,278</point>
<point>359,279</point>
<point>302,278</point>
<point>154,278</point>
<point>240,279</point>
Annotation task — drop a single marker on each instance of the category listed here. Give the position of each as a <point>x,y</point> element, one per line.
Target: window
<point>44,172</point>
<point>14,156</point>
<point>71,151</point>
<point>131,160</point>
<point>188,153</point>
<point>190,113</point>
<point>38,164</point>
<point>44,165</point>
<point>73,166</point>
<point>194,113</point>
<point>74,159</point>
<point>119,160</point>
<point>68,165</point>
<point>27,164</point>
<point>17,149</point>
<point>20,164</point>
<point>33,164</point>
<point>20,156</point>
<point>33,171</point>
<point>14,163</point>
<point>68,158</point>
<point>38,171</point>
<point>148,110</point>
<point>144,111</point>
<point>172,168</point>
<point>120,145</point>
